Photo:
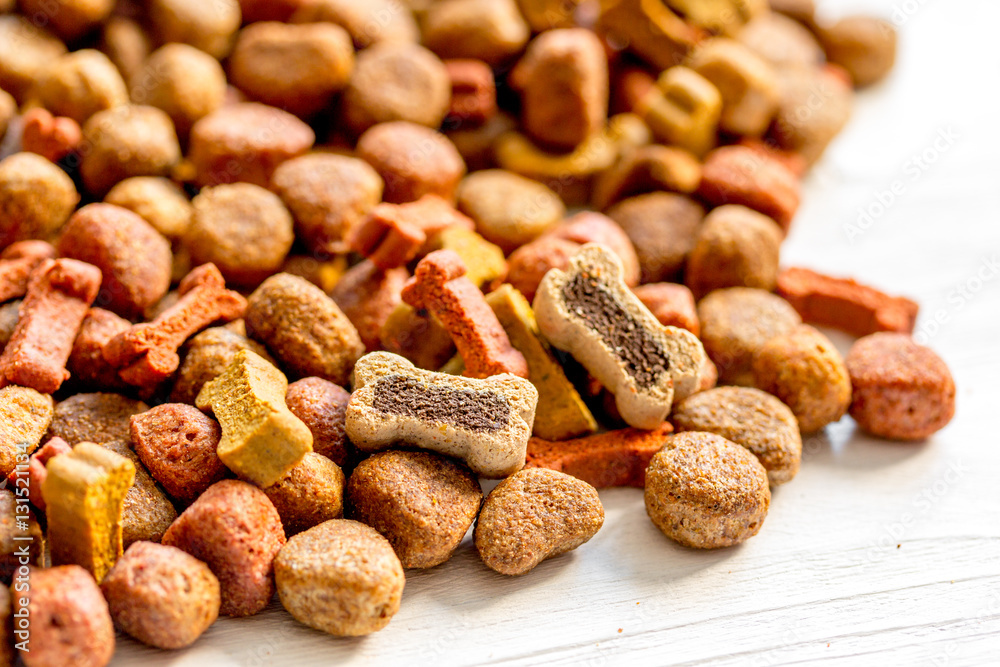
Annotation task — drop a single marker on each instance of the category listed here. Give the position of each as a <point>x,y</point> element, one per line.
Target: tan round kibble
<point>367,22</point>
<point>663,227</point>
<point>246,142</point>
<point>128,140</point>
<point>805,370</point>
<point>298,68</point>
<point>309,494</point>
<point>736,322</point>
<point>735,247</point>
<point>863,45</point>
<point>412,160</point>
<point>161,596</point>
<point>156,200</point>
<point>533,515</point>
<point>183,81</point>
<point>241,228</point>
<point>396,81</point>
<point>489,30</point>
<point>340,577</point>
<point>36,198</point>
<point>327,195</point>
<point>751,418</point>
<point>27,52</point>
<point>705,491</point>
<point>303,328</point>
<point>209,26</point>
<point>421,502</point>
<point>126,43</point>
<point>79,84</point>
<point>70,19</point>
<point>509,210</point>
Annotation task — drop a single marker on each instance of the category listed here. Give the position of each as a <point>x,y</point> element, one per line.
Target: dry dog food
<point>671,304</point>
<point>228,146</point>
<point>133,257</point>
<point>52,137</point>
<point>25,415</point>
<point>36,198</point>
<point>161,596</point>
<point>748,417</point>
<point>740,175</point>
<point>490,30</point>
<point>706,492</point>
<point>647,169</point>
<point>664,228</point>
<point>484,262</point>
<point>69,620</point>
<point>156,200</point>
<point>311,492</point>
<point>303,328</point>
<point>417,336</point>
<point>509,210</point>
<point>261,438</point>
<point>209,27</point>
<point>392,234</point>
<point>368,23</point>
<point>473,92</point>
<point>367,295</point>
<point>863,45</point>
<point>440,287</point>
<point>735,247</point>
<point>748,84</point>
<point>84,491</point>
<point>177,443</point>
<point>566,414</point>
<point>845,304</point>
<point>146,354</point>
<point>340,577</point>
<point>683,109</point>
<point>396,81</point>
<point>533,515</point>
<point>423,503</point>
<point>80,84</point>
<point>322,406</point>
<point>98,417</point>
<point>805,370</point>
<point>652,30</point>
<point>235,530</point>
<point>613,458</point>
<point>17,262</point>
<point>147,512</point>
<point>486,423</point>
<point>328,196</point>
<point>207,355</point>
<point>590,312</point>
<point>59,293</point>
<point>901,390</point>
<point>298,68</point>
<point>735,323</point>
<point>412,160</point>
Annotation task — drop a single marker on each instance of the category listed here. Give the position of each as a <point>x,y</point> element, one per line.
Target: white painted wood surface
<point>877,553</point>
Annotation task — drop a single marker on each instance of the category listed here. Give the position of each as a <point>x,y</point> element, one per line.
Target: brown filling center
<point>641,354</point>
<point>462,408</point>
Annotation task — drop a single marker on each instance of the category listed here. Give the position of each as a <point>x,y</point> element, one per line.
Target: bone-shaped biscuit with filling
<point>485,422</point>
<point>590,312</point>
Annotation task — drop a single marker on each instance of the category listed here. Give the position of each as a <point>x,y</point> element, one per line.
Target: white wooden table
<point>877,553</point>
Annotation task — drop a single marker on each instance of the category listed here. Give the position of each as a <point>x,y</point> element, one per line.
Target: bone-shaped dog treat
<point>84,493</point>
<point>392,234</point>
<point>59,293</point>
<point>439,286</point>
<point>486,423</point>
<point>588,311</point>
<point>261,438</point>
<point>17,262</point>
<point>146,354</point>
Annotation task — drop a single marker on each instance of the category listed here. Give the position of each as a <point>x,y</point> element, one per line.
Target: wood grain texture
<point>878,553</point>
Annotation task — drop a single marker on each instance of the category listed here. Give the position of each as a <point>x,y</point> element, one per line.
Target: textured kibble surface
<point>706,492</point>
<point>340,577</point>
<point>535,514</point>
<point>422,503</point>
<point>901,390</point>
<point>311,492</point>
<point>161,595</point>
<point>749,417</point>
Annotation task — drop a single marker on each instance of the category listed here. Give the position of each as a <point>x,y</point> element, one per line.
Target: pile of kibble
<point>268,264</point>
